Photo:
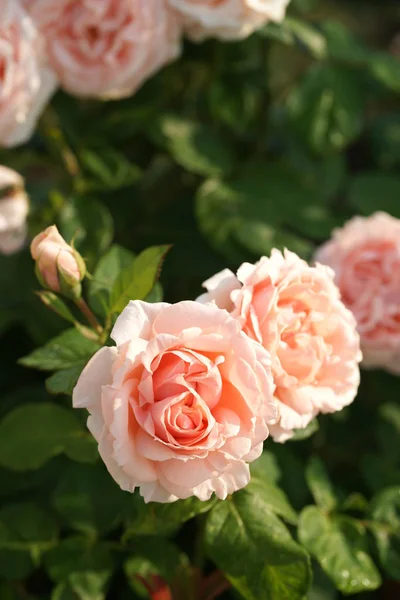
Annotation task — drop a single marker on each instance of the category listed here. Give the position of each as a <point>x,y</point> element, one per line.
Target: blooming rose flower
<point>182,404</point>
<point>14,207</point>
<point>57,263</point>
<point>365,256</point>
<point>227,19</point>
<point>25,82</point>
<point>295,312</point>
<point>108,48</point>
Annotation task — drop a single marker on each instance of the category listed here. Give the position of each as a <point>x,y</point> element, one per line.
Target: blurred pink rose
<point>14,207</point>
<point>227,19</point>
<point>295,312</point>
<point>365,256</point>
<point>182,404</point>
<point>26,84</point>
<point>108,48</point>
<point>56,260</point>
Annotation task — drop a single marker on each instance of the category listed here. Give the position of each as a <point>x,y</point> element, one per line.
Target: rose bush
<point>365,256</point>
<point>295,312</point>
<point>181,405</point>
<point>168,481</point>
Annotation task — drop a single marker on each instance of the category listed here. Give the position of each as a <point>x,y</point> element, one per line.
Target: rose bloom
<point>53,257</point>
<point>26,84</point>
<point>181,404</point>
<point>365,256</point>
<point>227,19</point>
<point>106,48</point>
<point>14,207</point>
<point>295,312</point>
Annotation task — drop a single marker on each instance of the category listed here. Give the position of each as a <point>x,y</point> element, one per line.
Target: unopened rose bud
<point>59,266</point>
<point>14,208</point>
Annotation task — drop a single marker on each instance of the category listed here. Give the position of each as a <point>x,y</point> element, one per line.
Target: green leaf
<point>307,432</point>
<point>375,190</point>
<point>161,519</point>
<point>253,209</point>
<point>109,170</point>
<point>26,532</point>
<point>136,281</point>
<point>255,550</point>
<point>266,466</point>
<point>57,305</point>
<point>384,140</point>
<point>320,485</point>
<point>274,498</point>
<point>33,433</point>
<point>340,545</point>
<point>327,108</point>
<point>83,449</point>
<point>90,586</point>
<point>155,556</point>
<point>88,499</point>
<point>385,511</point>
<point>386,69</point>
<point>77,555</point>
<point>90,224</point>
<point>196,147</point>
<point>68,350</point>
<point>342,45</point>
<point>64,381</point>
<point>107,271</point>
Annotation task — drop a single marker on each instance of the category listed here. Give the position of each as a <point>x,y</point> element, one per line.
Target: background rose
<point>227,19</point>
<point>56,260</point>
<point>25,81</point>
<point>14,207</point>
<point>365,255</point>
<point>106,48</point>
<point>181,404</point>
<point>296,313</point>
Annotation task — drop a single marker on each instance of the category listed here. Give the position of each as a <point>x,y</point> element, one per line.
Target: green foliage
<point>340,545</point>
<point>33,433</point>
<point>136,281</point>
<point>255,550</point>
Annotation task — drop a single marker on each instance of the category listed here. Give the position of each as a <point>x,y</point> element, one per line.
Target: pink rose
<point>14,207</point>
<point>57,263</point>
<point>26,84</point>
<point>365,256</point>
<point>182,404</point>
<point>227,19</point>
<point>108,48</point>
<point>296,313</point>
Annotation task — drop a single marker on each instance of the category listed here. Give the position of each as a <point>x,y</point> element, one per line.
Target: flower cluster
<point>184,401</point>
<point>102,49</point>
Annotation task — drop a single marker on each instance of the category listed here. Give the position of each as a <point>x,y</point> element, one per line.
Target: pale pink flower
<point>365,256</point>
<point>181,404</point>
<point>295,312</point>
<point>227,19</point>
<point>55,258</point>
<point>26,83</point>
<point>106,48</point>
<point>14,207</point>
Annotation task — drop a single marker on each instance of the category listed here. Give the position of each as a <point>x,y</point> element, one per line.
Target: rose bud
<point>14,208</point>
<point>59,266</point>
